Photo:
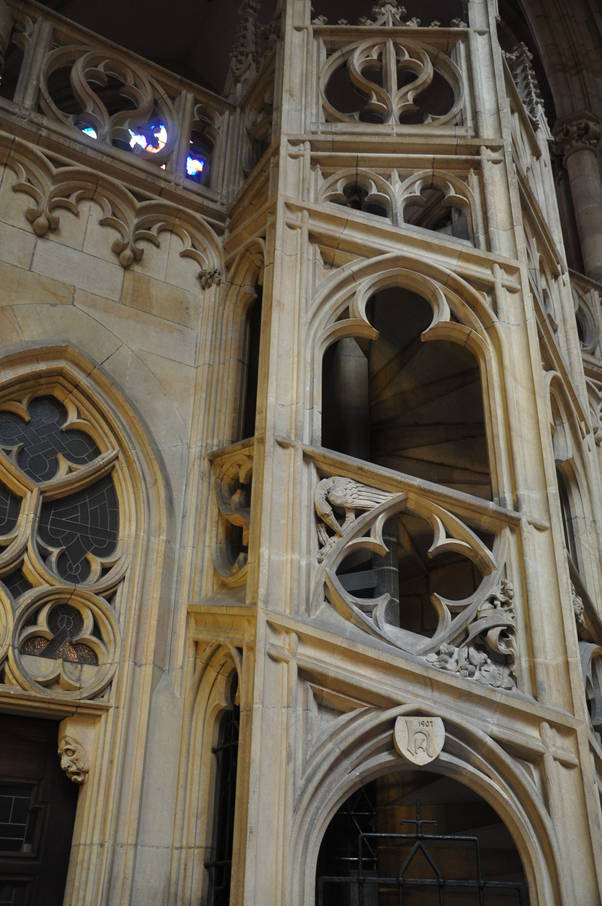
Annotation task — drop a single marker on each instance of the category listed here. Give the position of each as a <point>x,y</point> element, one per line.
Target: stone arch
<point>378,198</point>
<point>456,194</point>
<point>245,278</point>
<point>460,316</point>
<point>364,748</point>
<point>567,430</point>
<point>146,519</point>
<point>206,699</point>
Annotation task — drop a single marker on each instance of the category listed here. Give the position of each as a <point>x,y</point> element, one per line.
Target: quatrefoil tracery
<point>60,555</point>
<point>392,78</point>
<point>474,636</point>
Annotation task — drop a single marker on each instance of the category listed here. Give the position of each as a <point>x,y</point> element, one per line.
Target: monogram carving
<point>419,739</point>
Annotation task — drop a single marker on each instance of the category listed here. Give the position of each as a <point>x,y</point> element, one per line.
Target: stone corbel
<point>76,747</point>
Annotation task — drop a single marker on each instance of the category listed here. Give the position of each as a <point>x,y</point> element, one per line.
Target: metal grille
<point>226,755</point>
<point>362,885</point>
<point>15,807</point>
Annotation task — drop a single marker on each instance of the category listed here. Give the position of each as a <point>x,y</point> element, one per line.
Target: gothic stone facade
<point>323,419</point>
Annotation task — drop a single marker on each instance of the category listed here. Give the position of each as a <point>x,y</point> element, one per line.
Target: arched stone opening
<point>415,836</point>
<point>399,402</point>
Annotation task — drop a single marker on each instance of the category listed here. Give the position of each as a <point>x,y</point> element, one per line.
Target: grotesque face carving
<point>74,761</point>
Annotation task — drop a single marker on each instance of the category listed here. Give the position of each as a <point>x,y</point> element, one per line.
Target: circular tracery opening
<point>418,838</point>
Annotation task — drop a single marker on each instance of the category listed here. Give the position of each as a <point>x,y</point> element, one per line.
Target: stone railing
<point>71,85</point>
<point>364,79</point>
<point>387,544</point>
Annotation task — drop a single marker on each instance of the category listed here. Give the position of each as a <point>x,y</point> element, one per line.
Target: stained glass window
<point>38,441</point>
<point>73,515</point>
<point>83,523</point>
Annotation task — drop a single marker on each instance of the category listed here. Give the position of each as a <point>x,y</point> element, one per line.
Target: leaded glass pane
<point>86,522</point>
<point>10,506</point>
<point>16,583</point>
<point>40,439</point>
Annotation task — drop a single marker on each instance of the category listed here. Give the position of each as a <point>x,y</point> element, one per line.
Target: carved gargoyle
<point>74,759</point>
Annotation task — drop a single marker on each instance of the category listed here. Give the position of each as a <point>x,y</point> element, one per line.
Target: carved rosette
<point>475,637</point>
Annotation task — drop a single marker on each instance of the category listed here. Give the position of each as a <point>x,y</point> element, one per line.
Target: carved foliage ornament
<point>61,559</point>
<point>475,638</point>
<point>391,14</point>
<point>578,133</point>
<point>392,75</point>
<point>136,223</point>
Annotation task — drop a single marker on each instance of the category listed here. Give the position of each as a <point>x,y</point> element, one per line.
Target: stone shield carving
<point>419,739</point>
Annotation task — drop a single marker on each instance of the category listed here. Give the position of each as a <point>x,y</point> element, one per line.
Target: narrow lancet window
<point>567,518</point>
<point>251,361</point>
<point>225,752</point>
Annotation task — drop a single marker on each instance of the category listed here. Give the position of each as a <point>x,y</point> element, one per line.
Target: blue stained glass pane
<point>91,131</point>
<point>195,167</point>
<point>151,138</point>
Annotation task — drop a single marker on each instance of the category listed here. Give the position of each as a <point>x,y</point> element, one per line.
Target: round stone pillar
<point>578,138</point>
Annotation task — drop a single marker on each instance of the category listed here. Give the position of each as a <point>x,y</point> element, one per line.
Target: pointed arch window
<point>567,518</point>
<point>251,364</point>
<point>225,753</point>
<point>61,559</point>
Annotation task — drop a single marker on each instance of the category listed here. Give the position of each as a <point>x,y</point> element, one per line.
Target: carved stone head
<point>74,760</point>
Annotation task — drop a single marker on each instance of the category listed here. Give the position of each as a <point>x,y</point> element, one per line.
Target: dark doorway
<point>416,838</point>
<point>37,813</point>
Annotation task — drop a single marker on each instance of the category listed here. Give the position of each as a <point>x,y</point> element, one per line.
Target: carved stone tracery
<point>389,99</point>
<point>475,637</point>
<point>53,189</point>
<point>61,558</point>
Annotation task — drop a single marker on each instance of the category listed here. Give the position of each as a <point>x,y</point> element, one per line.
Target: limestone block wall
<point>128,292</point>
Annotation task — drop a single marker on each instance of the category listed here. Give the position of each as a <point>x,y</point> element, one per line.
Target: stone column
<point>578,138</point>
